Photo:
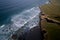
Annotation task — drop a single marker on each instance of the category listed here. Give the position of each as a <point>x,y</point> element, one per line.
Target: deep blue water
<point>11,7</point>
<point>17,13</point>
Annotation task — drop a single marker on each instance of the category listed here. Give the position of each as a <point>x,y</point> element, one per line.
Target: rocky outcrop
<point>44,19</point>
<point>52,21</point>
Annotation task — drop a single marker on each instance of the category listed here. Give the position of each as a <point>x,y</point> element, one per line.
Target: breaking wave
<point>28,18</point>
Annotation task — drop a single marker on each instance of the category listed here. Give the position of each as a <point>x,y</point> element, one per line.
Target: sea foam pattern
<point>28,18</point>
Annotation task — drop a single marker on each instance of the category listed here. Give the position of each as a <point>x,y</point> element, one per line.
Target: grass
<point>52,10</point>
<point>53,29</point>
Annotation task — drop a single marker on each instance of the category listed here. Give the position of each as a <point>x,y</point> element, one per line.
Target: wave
<point>21,19</point>
<point>28,18</point>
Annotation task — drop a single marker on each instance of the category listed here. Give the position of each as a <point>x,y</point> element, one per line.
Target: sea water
<point>28,18</point>
<point>15,14</point>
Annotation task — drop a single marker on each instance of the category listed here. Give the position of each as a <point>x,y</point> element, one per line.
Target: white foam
<point>2,26</point>
<point>47,2</point>
<point>18,20</point>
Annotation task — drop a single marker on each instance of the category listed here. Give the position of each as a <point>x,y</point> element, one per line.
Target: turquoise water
<point>17,13</point>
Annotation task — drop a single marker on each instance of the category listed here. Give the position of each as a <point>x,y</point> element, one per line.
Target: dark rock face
<point>51,21</point>
<point>34,34</point>
<point>14,36</point>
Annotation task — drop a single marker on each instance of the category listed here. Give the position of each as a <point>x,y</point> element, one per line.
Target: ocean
<point>15,14</point>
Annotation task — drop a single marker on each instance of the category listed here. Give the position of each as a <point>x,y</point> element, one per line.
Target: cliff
<point>50,21</point>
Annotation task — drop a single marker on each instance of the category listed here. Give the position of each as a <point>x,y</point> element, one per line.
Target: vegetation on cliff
<point>52,11</point>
